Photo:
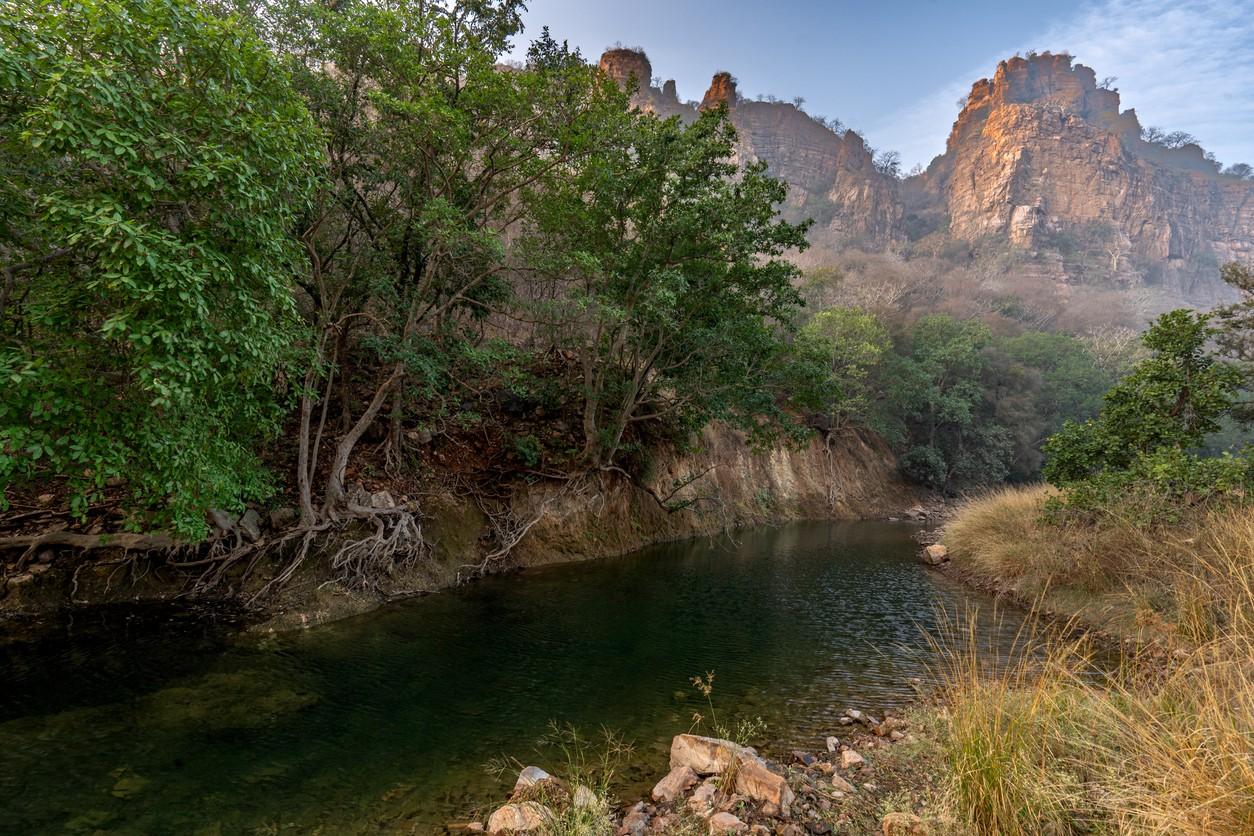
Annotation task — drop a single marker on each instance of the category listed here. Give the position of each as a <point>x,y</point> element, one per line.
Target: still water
<point>385,723</point>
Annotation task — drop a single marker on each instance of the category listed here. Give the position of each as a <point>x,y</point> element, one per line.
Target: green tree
<point>666,264</point>
<point>154,156</point>
<point>1235,333</point>
<point>433,153</point>
<point>1036,381</point>
<point>936,410</point>
<point>842,348</point>
<point>1170,401</point>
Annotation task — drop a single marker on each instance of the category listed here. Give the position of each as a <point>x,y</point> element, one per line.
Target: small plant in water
<point>743,731</point>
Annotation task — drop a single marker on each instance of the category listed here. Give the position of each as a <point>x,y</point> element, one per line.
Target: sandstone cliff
<point>831,175</point>
<point>1041,167</point>
<point>1043,159</point>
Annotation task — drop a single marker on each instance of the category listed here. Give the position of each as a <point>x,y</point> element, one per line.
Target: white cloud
<point>1183,65</point>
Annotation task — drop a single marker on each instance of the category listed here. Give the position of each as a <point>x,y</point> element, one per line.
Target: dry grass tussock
<point>1059,739</point>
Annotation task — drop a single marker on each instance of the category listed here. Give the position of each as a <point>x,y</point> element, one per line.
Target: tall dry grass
<point>1152,742</point>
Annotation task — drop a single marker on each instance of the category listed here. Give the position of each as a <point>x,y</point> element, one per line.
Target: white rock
<point>832,744</point>
<point>530,776</point>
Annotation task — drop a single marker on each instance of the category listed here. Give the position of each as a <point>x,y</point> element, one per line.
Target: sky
<point>895,70</point>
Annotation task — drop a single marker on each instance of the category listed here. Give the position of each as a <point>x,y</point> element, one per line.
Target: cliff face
<point>1043,158</point>
<point>1041,162</point>
<point>831,175</point>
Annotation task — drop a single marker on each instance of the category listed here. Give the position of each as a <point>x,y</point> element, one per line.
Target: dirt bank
<point>724,484</point>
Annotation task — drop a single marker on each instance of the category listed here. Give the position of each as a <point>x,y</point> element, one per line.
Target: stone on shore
<point>675,784</point>
<point>530,776</point>
<point>702,801</point>
<point>519,818</point>
<point>713,756</point>
<point>726,823</point>
<point>935,554</point>
<point>761,784</point>
<point>705,755</point>
<point>850,758</point>
<point>903,824</point>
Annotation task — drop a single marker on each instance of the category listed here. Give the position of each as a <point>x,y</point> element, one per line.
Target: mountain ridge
<point>1041,169</point>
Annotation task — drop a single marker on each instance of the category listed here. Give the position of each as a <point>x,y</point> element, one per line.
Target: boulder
<point>705,755</point>
<point>250,525</point>
<point>281,518</point>
<point>832,743</point>
<point>382,500</point>
<point>519,818</point>
<point>726,823</point>
<point>935,554</point>
<point>761,784</point>
<point>702,801</point>
<point>903,824</point>
<point>713,756</point>
<point>675,784</point>
<point>841,785</point>
<point>849,758</point>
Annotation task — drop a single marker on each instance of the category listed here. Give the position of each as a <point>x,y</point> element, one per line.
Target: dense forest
<point>254,256</point>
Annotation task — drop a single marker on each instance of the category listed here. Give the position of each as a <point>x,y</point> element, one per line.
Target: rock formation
<point>831,175</point>
<point>1041,161</point>
<point>1041,157</point>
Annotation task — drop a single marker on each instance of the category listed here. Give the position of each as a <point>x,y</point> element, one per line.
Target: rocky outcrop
<point>1041,157</point>
<point>1041,161</point>
<point>831,176</point>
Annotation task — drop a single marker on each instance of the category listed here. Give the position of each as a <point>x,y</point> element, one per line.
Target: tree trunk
<point>344,450</point>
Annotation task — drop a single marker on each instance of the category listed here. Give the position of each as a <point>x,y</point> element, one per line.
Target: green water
<point>130,723</point>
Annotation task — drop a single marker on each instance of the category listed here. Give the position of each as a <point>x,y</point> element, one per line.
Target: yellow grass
<point>1164,742</point>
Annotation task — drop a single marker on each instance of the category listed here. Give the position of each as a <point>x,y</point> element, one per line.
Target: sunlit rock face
<point>831,176</point>
<point>1041,160</point>
<point>1042,156</point>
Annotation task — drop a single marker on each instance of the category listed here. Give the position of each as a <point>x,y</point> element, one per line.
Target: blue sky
<point>894,70</point>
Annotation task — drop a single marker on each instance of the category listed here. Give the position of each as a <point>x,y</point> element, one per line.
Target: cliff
<point>831,176</point>
<point>1042,158</point>
<point>1041,165</point>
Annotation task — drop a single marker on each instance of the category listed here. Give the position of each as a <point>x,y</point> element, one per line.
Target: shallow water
<point>385,723</point>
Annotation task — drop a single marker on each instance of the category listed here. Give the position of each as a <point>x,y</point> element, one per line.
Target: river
<point>137,722</point>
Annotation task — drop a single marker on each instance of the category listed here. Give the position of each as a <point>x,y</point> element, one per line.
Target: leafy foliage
<point>836,355</point>
<point>1151,422</point>
<point>668,280</point>
<point>155,158</point>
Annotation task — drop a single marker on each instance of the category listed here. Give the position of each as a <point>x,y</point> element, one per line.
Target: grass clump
<point>578,799</point>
